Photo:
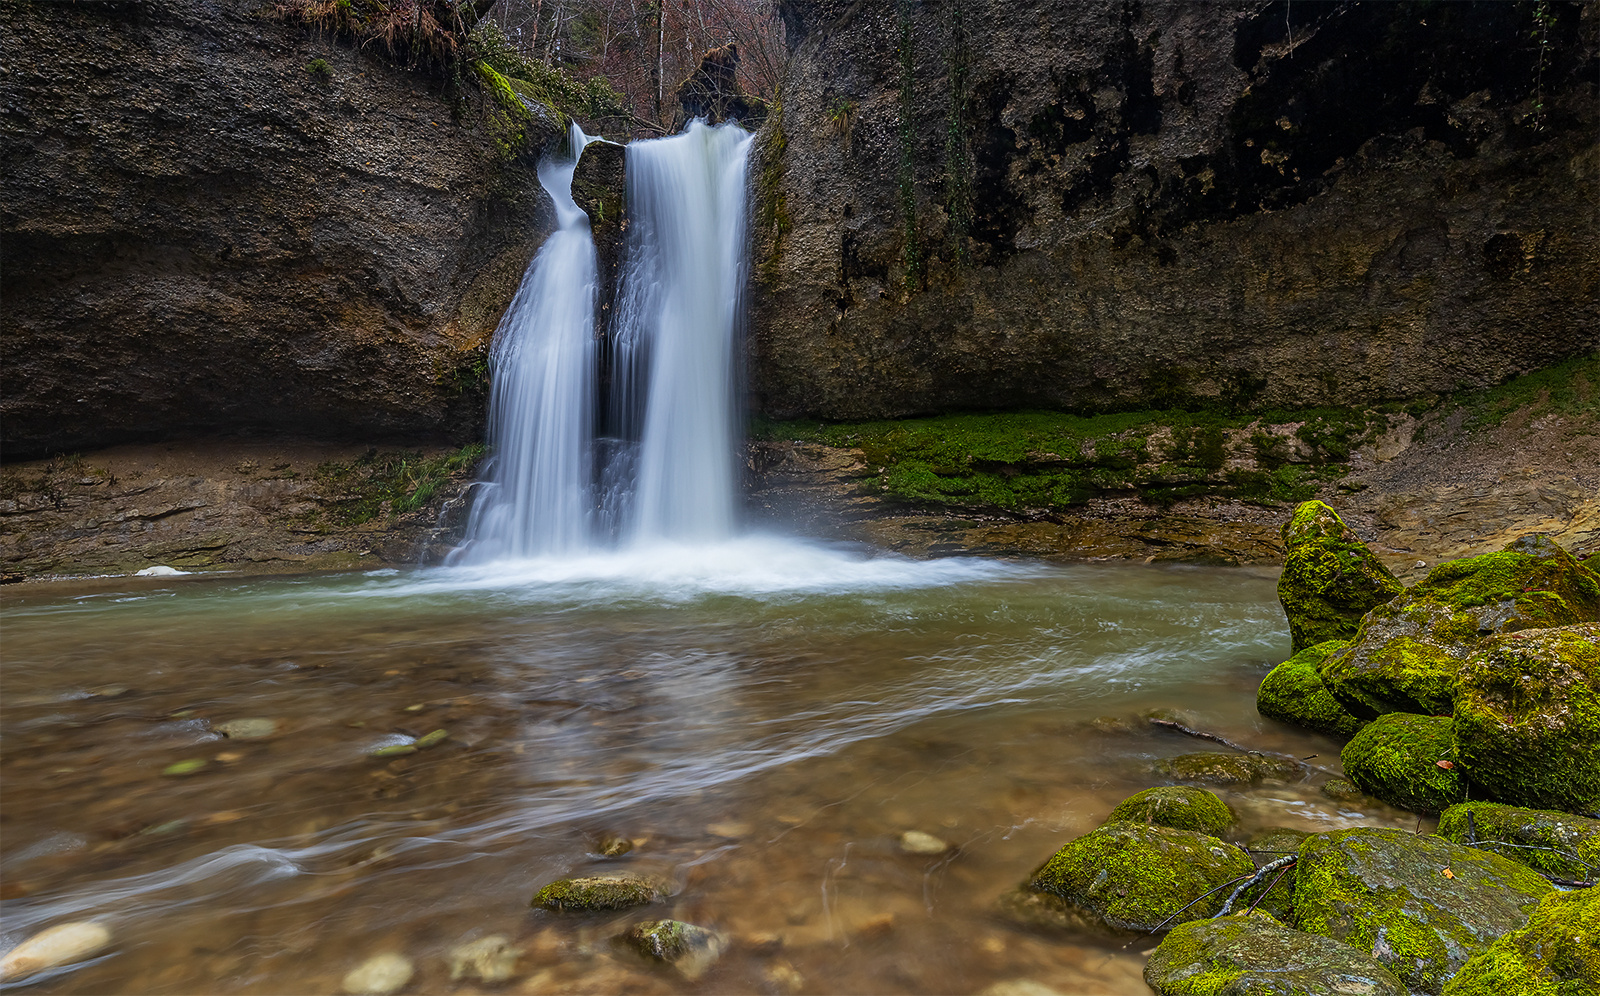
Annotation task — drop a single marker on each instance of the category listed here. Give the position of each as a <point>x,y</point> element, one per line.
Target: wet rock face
<point>1251,955</point>
<point>201,234</point>
<point>970,203</point>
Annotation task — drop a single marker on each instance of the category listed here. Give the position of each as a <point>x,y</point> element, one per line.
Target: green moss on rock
<point>601,892</point>
<point>1134,877</point>
<point>1330,579</point>
<point>1219,768</point>
<point>1396,758</point>
<point>1555,843</point>
<point>684,946</point>
<point>1556,954</point>
<point>1254,956</point>
<point>1397,662</point>
<point>1386,892</point>
<point>1269,845</point>
<point>1176,806</point>
<point>1528,718</point>
<point>1293,693</point>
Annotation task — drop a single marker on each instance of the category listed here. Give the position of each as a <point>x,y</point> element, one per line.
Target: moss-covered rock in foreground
<point>600,892</point>
<point>1330,579</point>
<point>1528,718</point>
<point>1293,693</point>
<point>1408,653</point>
<point>1556,954</point>
<point>1133,877</point>
<point>1558,844</point>
<point>1220,768</point>
<point>684,946</point>
<point>1255,956</point>
<point>1387,892</point>
<point>1176,806</point>
<point>1396,758</point>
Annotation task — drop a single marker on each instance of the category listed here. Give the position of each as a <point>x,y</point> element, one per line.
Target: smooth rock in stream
<point>254,728</point>
<point>379,975</point>
<point>62,944</point>
<point>597,892</point>
<point>690,949</point>
<point>917,842</point>
<point>1257,956</point>
<point>488,959</point>
<point>1219,768</point>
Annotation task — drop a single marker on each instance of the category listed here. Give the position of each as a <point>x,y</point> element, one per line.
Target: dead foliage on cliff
<point>418,32</point>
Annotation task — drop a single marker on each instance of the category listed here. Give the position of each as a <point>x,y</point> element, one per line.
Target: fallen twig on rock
<point>1261,873</point>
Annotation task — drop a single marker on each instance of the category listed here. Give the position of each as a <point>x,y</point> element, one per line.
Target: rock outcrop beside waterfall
<point>975,204</point>
<point>207,230</point>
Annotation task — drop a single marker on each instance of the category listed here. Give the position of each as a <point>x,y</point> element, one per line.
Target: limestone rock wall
<point>201,235</point>
<point>1026,203</point>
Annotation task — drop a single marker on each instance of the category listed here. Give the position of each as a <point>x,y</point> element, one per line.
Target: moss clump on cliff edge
<point>602,892</point>
<point>1556,954</point>
<point>1385,892</point>
<point>391,484</point>
<point>1134,877</point>
<point>1293,693</point>
<point>1528,718</point>
<point>1330,579</point>
<point>1397,758</point>
<point>1176,806</point>
<point>1558,844</point>
<point>1256,956</point>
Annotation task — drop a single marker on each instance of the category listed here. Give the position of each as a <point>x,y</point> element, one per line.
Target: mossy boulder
<point>1528,718</point>
<point>1133,877</point>
<point>1556,954</point>
<point>1293,692</point>
<point>1270,845</point>
<point>1220,768</point>
<point>1255,956</point>
<point>1396,758</point>
<point>1408,653</point>
<point>1330,579</point>
<point>1555,843</point>
<point>1419,905</point>
<point>1176,806</point>
<point>688,948</point>
<point>596,893</point>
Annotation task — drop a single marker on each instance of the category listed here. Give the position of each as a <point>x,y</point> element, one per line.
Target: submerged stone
<point>488,959</point>
<point>1293,692</point>
<point>1330,579</point>
<point>1420,905</point>
<point>1256,956</point>
<point>1556,954</point>
<point>254,728</point>
<point>1397,758</point>
<point>917,842</point>
<point>1219,768</point>
<point>1135,877</point>
<point>60,945</point>
<point>1528,718</point>
<point>1176,806</point>
<point>599,892</point>
<point>690,949</point>
<point>1555,843</point>
<point>379,975</point>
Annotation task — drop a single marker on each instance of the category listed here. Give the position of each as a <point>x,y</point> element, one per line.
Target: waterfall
<point>665,468</point>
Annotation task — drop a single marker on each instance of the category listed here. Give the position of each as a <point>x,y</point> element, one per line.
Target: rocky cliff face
<point>1015,203</point>
<point>206,230</point>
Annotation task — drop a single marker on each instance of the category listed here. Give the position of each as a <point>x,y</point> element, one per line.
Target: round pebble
<point>379,975</point>
<point>917,842</point>
<point>60,945</point>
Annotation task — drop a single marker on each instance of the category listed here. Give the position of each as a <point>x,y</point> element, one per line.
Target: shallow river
<point>763,720</point>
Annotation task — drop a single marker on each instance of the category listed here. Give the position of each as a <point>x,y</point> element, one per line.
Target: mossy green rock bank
<point>1558,844</point>
<point>1293,692</point>
<point>1255,956</point>
<point>1134,877</point>
<point>1556,954</point>
<point>1407,761</point>
<point>1421,906</point>
<point>1330,579</point>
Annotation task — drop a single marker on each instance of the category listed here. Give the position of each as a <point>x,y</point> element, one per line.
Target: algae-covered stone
<point>1254,956</point>
<point>1528,718</point>
<point>1134,877</point>
<point>1270,845</point>
<point>1556,954</point>
<point>1409,652</point>
<point>1420,905</point>
<point>688,948</point>
<point>1558,844</point>
<point>1218,768</point>
<point>1330,579</point>
<point>1293,693</point>
<point>1176,806</point>
<point>600,892</point>
<point>1397,758</point>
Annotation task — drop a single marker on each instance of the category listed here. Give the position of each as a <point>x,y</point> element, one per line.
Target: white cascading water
<point>669,473</point>
<point>538,497</point>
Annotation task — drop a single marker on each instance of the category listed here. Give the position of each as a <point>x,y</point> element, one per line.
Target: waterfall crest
<point>663,467</point>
